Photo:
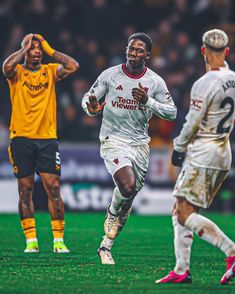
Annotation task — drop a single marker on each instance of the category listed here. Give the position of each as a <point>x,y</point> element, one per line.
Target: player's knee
<point>53,187</point>
<point>181,219</point>
<point>25,191</point>
<point>182,216</point>
<point>128,189</point>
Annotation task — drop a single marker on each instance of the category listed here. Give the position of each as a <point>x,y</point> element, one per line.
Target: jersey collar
<point>30,69</point>
<point>125,70</point>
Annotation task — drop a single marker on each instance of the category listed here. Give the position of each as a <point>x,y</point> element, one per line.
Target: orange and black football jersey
<point>33,100</point>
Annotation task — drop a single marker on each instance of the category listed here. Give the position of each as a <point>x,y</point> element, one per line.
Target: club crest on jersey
<point>146,90</point>
<point>44,74</point>
<point>116,161</point>
<point>119,87</point>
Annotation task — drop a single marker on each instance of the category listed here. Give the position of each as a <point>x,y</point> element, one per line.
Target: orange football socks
<point>29,228</point>
<point>57,228</point>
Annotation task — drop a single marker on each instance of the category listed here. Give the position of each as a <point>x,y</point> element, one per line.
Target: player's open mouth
<point>132,59</point>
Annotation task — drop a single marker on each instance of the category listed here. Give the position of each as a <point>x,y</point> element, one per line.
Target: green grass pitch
<point>143,252</point>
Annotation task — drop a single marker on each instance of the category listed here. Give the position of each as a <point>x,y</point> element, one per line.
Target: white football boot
<point>105,255</point>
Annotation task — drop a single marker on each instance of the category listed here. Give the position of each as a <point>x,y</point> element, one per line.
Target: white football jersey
<point>124,118</point>
<point>210,120</point>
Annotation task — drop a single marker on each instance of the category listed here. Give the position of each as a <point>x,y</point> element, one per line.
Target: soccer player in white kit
<point>133,93</point>
<point>203,148</point>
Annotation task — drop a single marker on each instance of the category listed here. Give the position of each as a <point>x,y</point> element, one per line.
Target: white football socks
<point>107,243</point>
<point>210,232</point>
<point>183,239</point>
<point>117,201</point>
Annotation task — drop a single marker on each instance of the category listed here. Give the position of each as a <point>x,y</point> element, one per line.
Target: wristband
<point>47,48</point>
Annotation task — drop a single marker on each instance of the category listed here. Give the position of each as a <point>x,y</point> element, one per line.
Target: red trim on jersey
<point>124,68</point>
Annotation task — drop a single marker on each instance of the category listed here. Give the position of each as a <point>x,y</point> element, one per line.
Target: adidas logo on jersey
<point>119,87</point>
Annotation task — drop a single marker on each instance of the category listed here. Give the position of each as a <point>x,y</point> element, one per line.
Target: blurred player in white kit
<point>133,93</point>
<point>203,148</point>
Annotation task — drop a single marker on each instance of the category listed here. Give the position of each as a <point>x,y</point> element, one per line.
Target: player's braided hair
<point>144,38</point>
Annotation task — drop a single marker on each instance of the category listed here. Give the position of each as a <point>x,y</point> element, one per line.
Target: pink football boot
<point>173,277</point>
<point>230,270</point>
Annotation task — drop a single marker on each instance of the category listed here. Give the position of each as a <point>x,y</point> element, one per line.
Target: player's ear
<point>203,50</point>
<point>227,51</point>
<point>148,55</point>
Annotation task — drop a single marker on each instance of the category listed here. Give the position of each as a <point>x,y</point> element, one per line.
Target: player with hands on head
<point>33,132</point>
<point>203,149</point>
<point>132,94</point>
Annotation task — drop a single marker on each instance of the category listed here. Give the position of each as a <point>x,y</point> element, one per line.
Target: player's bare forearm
<point>11,62</point>
<point>70,65</point>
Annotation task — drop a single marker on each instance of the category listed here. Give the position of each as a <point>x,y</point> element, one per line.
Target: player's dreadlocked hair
<point>35,39</point>
<point>144,38</point>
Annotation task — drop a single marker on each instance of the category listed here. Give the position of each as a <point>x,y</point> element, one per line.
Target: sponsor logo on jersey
<point>129,104</point>
<point>119,87</point>
<point>35,87</point>
<point>116,160</point>
<point>196,104</point>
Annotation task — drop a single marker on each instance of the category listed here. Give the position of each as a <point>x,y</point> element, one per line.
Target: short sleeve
<point>54,67</point>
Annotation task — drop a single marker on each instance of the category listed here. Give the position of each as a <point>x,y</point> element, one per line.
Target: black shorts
<point>28,156</point>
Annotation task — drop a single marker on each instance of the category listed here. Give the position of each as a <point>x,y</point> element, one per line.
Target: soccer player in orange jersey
<point>34,146</point>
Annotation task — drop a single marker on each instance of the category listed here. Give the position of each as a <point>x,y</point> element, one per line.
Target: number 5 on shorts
<point>57,156</point>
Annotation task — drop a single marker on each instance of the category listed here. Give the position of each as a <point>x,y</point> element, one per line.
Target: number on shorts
<point>57,155</point>
<point>220,128</point>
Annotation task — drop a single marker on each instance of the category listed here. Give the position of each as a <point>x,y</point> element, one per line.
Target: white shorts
<point>199,185</point>
<point>117,154</point>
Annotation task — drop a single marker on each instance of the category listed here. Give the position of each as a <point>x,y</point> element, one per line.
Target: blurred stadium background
<point>95,32</point>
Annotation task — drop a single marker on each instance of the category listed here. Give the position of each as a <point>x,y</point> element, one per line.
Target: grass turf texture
<point>143,253</point>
